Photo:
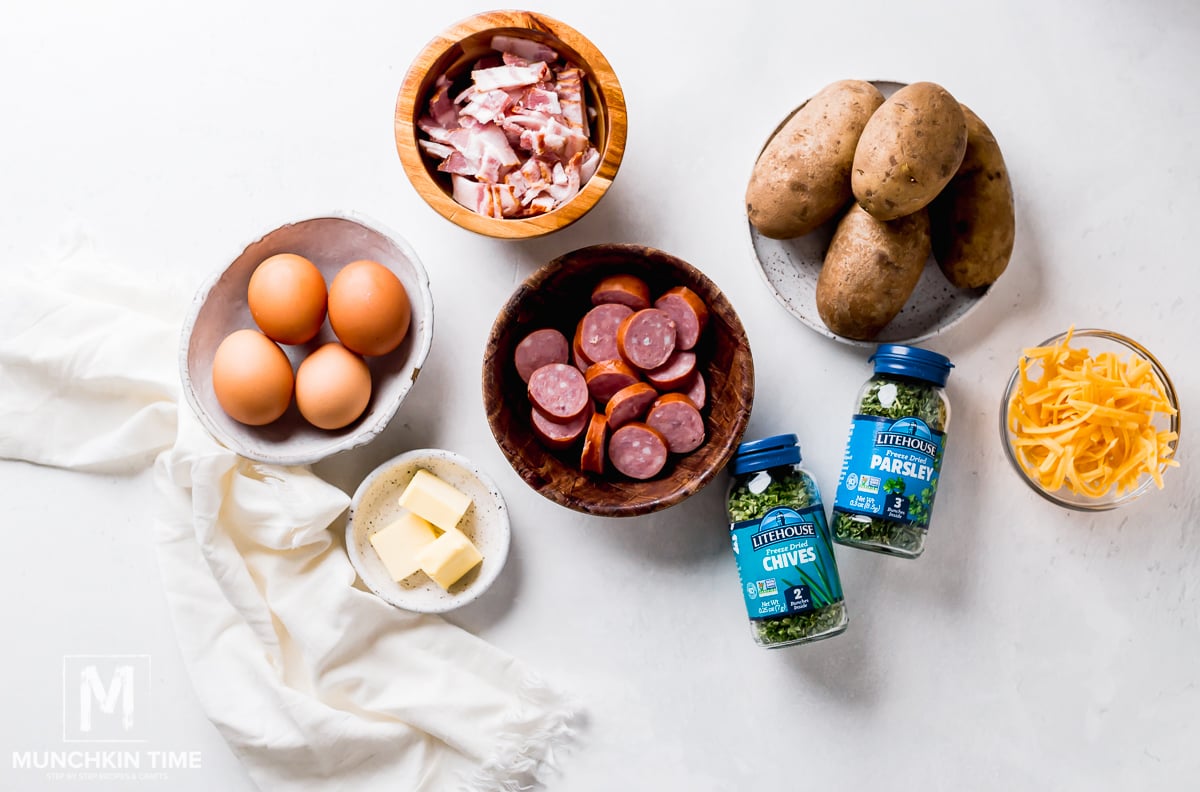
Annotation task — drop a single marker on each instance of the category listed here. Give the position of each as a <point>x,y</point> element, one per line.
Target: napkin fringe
<point>529,750</point>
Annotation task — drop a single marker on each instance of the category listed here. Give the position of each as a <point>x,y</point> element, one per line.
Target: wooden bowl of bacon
<point>617,380</point>
<point>511,124</point>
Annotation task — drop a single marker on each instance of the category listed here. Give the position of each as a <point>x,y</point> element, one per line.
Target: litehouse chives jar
<point>782,545</point>
<point>894,453</point>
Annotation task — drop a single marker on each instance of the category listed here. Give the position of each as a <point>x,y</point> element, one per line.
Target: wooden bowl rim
<point>493,387</point>
<point>599,70</point>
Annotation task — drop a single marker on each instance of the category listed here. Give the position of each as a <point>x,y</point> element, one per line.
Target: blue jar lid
<point>766,453</point>
<point>910,361</point>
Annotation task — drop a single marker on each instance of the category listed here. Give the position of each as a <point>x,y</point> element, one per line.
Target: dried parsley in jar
<point>782,544</point>
<point>894,454</point>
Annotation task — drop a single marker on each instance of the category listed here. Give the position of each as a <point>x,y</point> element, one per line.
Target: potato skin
<point>910,149</point>
<point>870,271</point>
<point>802,177</point>
<point>973,222</point>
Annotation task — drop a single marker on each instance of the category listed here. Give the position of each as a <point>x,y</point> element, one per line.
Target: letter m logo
<point>105,698</point>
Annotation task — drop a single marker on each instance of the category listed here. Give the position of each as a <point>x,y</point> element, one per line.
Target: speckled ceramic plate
<point>330,242</point>
<point>791,268</point>
<point>376,504</point>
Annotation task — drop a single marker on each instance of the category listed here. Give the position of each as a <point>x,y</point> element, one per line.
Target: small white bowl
<point>220,307</point>
<point>376,504</point>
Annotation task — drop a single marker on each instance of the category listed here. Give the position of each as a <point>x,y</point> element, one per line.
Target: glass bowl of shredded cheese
<point>1090,419</point>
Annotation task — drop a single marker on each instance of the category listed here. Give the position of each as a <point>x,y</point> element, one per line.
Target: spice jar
<point>894,454</point>
<point>781,541</point>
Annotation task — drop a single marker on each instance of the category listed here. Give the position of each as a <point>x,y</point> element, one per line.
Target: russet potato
<point>910,149</point>
<point>802,177</point>
<point>871,269</point>
<point>972,221</point>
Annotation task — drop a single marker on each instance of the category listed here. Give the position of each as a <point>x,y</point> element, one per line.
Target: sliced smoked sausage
<point>558,436</point>
<point>637,450</point>
<point>592,457</point>
<point>598,332</point>
<point>630,404</point>
<point>577,356</point>
<point>675,373</point>
<point>559,391</point>
<point>539,348</point>
<point>696,390</point>
<point>646,339</point>
<point>677,420</point>
<point>624,289</point>
<point>688,311</point>
<point>607,377</point>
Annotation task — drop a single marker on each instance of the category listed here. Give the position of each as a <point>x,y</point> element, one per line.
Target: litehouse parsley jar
<point>894,454</point>
<point>782,544</point>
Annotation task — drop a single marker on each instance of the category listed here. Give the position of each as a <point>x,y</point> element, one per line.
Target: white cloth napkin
<point>309,679</point>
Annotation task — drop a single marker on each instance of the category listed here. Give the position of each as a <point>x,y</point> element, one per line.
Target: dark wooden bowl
<point>557,296</point>
<point>452,52</point>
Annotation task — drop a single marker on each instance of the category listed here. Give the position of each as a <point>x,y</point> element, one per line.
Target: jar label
<point>785,562</point>
<point>890,469</point>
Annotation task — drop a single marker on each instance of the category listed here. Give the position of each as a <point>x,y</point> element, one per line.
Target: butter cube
<point>429,497</point>
<point>448,558</point>
<point>399,543</point>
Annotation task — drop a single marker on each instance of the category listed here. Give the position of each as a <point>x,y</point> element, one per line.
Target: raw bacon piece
<point>436,149</point>
<point>467,192</point>
<point>524,48</point>
<point>569,88</point>
<point>486,107</point>
<point>589,165</point>
<point>548,136</point>
<point>486,149</point>
<point>436,131</point>
<point>565,185</point>
<point>542,204</point>
<point>509,76</point>
<point>540,100</point>
<point>441,107</point>
<point>488,62</point>
<point>504,201</point>
<point>457,163</point>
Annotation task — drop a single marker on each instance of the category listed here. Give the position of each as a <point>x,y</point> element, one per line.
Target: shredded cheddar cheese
<point>1089,423</point>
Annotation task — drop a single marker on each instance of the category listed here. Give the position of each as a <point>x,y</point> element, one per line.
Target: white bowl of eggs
<point>308,342</point>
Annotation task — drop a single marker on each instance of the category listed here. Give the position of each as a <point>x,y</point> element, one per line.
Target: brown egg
<point>368,308</point>
<point>333,386</point>
<point>287,298</point>
<point>252,378</point>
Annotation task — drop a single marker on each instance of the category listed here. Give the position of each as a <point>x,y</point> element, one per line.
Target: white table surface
<point>1030,647</point>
